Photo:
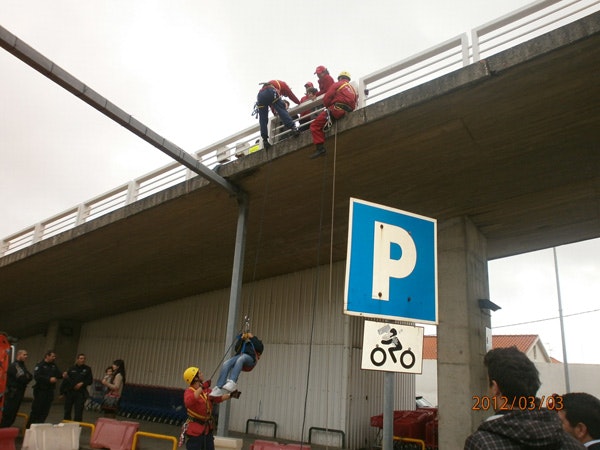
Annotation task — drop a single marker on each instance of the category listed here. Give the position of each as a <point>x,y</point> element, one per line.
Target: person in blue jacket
<point>248,349</point>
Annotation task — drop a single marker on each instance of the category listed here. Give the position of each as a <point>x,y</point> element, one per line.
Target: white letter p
<point>384,267</point>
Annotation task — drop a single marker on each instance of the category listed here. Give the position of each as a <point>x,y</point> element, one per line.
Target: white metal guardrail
<point>505,32</point>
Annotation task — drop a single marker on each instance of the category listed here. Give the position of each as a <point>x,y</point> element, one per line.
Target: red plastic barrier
<point>272,445</point>
<point>7,438</point>
<point>408,424</point>
<point>113,434</point>
<point>431,434</point>
<point>411,424</point>
<point>262,444</point>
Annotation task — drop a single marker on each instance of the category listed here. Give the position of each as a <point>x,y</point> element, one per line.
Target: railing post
<point>38,233</point>
<point>132,192</point>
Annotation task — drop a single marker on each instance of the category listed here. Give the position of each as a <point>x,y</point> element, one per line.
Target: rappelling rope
<point>317,279</point>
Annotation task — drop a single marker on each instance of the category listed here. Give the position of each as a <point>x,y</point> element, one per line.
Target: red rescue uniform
<point>284,90</point>
<point>325,82</point>
<point>199,411</point>
<point>339,99</point>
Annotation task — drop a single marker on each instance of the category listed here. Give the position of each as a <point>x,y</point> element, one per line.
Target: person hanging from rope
<point>340,98</point>
<point>248,349</point>
<point>270,97</point>
<point>198,428</point>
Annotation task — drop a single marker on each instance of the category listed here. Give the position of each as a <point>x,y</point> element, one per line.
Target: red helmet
<point>320,69</point>
<point>309,85</point>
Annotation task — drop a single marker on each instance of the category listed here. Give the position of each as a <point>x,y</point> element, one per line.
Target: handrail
<point>436,61</point>
<point>153,436</point>
<point>267,422</point>
<point>327,430</point>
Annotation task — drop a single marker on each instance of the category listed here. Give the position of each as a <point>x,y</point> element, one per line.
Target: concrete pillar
<point>63,338</point>
<point>463,280</point>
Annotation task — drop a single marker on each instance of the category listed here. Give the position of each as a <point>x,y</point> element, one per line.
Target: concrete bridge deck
<point>511,142</point>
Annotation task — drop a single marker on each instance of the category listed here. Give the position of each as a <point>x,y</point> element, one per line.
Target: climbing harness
<point>328,123</point>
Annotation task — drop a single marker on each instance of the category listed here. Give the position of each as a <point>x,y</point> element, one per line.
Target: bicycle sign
<point>392,347</point>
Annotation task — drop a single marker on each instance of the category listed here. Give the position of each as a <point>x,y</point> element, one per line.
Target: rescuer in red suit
<point>339,99</point>
<point>325,80</point>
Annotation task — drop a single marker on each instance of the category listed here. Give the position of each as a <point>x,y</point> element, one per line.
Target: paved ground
<point>56,415</point>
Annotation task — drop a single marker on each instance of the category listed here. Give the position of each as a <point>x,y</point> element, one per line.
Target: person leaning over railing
<point>270,97</point>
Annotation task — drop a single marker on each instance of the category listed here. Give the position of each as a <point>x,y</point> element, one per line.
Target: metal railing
<point>505,32</point>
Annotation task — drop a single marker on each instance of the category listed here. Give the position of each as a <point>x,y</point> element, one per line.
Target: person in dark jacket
<point>248,349</point>
<point>520,421</point>
<point>75,384</point>
<point>269,97</point>
<point>45,374</point>
<point>18,377</point>
<point>580,416</point>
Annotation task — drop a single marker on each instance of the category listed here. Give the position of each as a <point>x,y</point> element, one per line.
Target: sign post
<point>391,273</point>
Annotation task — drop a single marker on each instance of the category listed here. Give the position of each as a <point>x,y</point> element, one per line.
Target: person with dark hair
<point>110,404</point>
<point>580,416</point>
<point>18,377</point>
<point>520,421</point>
<point>248,349</point>
<point>45,374</point>
<point>74,388</point>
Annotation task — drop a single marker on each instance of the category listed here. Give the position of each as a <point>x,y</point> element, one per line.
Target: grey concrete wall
<point>462,268</point>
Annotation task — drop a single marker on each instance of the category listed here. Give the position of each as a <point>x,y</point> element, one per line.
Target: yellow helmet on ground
<point>190,373</point>
<point>345,75</point>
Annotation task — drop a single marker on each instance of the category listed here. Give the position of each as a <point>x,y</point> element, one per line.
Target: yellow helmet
<point>345,75</point>
<point>189,374</point>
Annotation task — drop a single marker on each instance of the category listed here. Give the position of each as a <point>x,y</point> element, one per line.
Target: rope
<point>317,279</point>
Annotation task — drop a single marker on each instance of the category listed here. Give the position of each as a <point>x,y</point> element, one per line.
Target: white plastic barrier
<point>223,443</point>
<point>45,436</point>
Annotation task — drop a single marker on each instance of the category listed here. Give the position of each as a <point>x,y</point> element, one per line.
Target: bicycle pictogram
<point>390,338</point>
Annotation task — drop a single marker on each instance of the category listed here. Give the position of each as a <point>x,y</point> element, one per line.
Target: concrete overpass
<point>511,142</point>
<point>504,153</point>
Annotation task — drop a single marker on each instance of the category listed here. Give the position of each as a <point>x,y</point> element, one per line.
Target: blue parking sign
<point>391,266</point>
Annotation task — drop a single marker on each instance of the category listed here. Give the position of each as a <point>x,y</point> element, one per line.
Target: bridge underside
<point>512,142</point>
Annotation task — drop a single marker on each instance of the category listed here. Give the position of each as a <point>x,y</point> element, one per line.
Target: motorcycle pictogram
<point>379,355</point>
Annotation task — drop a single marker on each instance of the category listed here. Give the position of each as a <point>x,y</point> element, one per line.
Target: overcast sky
<point>190,71</point>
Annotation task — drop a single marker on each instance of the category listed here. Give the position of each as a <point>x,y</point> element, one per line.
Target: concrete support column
<point>463,279</point>
<point>63,338</point>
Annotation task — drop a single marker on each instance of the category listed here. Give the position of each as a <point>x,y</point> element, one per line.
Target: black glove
<point>235,394</point>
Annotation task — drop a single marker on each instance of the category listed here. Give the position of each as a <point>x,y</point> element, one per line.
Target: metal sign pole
<point>387,442</point>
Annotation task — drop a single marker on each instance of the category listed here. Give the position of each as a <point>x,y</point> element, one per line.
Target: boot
<point>320,150</point>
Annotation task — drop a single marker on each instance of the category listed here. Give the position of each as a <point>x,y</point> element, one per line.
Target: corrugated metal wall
<point>309,375</point>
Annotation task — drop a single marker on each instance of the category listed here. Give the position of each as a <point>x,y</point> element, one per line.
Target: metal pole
<point>387,443</point>
<point>562,325</point>
<point>46,67</point>
<point>234,297</point>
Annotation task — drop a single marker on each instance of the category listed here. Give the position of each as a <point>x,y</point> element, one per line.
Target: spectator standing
<point>340,98</point>
<point>115,387</point>
<point>270,97</point>
<point>580,417</point>
<point>513,383</point>
<point>325,80</point>
<point>198,400</point>
<point>76,383</point>
<point>18,377</point>
<point>46,373</point>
